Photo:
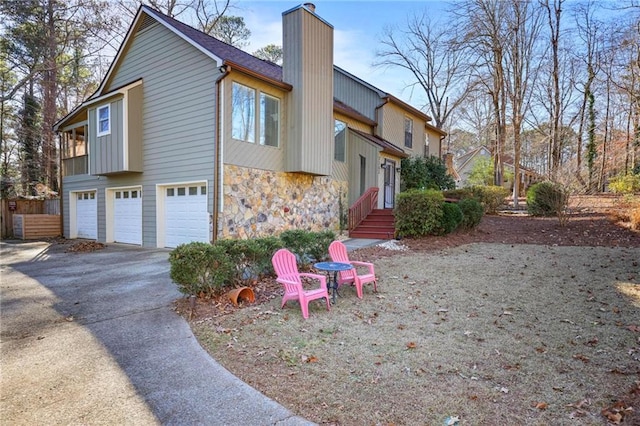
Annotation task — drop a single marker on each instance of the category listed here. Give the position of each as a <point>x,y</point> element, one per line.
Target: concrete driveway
<point>91,338</point>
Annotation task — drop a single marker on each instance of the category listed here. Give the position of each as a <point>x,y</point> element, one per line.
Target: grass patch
<point>490,333</point>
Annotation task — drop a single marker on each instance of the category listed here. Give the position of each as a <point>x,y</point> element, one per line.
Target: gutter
<point>218,181</point>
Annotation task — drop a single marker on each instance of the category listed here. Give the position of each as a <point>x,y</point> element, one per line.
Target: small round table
<point>334,267</point>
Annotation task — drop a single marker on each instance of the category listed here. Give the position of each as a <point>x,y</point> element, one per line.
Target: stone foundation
<point>260,203</point>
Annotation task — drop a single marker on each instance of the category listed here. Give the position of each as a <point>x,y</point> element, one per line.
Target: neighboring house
<point>190,139</point>
<point>464,164</point>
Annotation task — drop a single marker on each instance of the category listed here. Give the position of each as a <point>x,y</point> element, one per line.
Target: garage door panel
<point>127,217</point>
<point>86,215</point>
<point>186,215</point>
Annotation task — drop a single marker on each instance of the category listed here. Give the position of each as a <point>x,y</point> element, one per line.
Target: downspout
<point>440,147</point>
<point>60,186</point>
<point>218,181</point>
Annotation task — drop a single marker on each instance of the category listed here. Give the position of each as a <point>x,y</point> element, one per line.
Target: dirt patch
<point>519,322</point>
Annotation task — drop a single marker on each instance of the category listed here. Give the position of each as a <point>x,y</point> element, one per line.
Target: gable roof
<point>387,147</point>
<point>219,51</point>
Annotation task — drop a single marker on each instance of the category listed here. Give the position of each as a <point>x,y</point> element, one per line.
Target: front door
<point>389,183</point>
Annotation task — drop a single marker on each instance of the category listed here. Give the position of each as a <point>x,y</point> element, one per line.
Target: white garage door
<point>127,216</point>
<point>186,216</point>
<point>86,215</point>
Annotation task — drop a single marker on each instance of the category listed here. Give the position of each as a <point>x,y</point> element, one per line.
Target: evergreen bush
<point>200,269</point>
<point>418,212</point>
<point>547,199</point>
<point>472,212</point>
<point>491,197</point>
<point>628,184</point>
<point>451,218</point>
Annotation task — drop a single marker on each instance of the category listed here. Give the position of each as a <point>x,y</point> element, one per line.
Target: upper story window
<point>103,119</point>
<point>269,120</point>
<point>246,112</point>
<point>243,113</point>
<point>340,137</point>
<point>408,132</point>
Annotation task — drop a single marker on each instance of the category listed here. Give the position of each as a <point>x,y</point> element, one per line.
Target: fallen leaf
<point>542,405</point>
<point>581,358</point>
<point>634,328</point>
<point>411,345</point>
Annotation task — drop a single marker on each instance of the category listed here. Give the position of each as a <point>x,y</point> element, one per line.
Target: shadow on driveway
<point>92,338</point>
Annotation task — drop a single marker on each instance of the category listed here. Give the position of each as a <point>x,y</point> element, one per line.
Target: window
<point>340,137</point>
<point>243,114</point>
<point>269,120</point>
<point>408,132</point>
<point>103,114</point>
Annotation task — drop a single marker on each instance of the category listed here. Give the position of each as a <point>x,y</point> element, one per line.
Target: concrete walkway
<point>91,338</point>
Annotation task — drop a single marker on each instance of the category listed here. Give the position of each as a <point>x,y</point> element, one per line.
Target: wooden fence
<point>10,207</point>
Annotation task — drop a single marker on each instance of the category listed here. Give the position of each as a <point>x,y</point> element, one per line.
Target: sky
<point>358,28</point>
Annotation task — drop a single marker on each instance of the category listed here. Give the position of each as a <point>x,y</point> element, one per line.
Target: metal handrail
<point>362,207</point>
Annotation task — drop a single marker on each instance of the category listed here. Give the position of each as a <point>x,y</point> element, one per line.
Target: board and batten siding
<point>341,169</point>
<point>179,118</point>
<point>392,128</point>
<point>356,95</point>
<point>106,150</point>
<point>308,67</point>
<point>360,147</point>
<point>248,154</point>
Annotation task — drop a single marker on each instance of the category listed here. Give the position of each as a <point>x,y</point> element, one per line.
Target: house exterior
<point>464,164</point>
<point>190,139</point>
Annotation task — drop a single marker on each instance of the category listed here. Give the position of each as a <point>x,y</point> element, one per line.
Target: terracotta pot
<point>241,293</point>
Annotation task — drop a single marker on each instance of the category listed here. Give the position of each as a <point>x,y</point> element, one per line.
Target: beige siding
<point>392,128</point>
<point>247,154</point>
<point>106,151</point>
<point>308,59</point>
<point>434,146</point>
<point>341,169</point>
<point>360,148</point>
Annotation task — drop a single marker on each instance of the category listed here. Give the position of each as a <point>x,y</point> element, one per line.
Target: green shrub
<point>451,218</point>
<point>628,184</point>
<point>547,199</point>
<point>472,212</point>
<point>491,197</point>
<point>425,173</point>
<point>252,258</point>
<point>308,246</point>
<point>458,194</point>
<point>200,268</point>
<point>418,212</point>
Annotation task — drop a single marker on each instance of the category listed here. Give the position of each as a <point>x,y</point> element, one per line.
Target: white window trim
<point>108,131</point>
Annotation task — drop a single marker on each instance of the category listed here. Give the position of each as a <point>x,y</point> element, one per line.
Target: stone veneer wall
<point>255,202</point>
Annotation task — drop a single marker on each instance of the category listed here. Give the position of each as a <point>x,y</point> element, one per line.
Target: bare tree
<point>427,52</point>
<point>521,65</point>
<point>485,35</point>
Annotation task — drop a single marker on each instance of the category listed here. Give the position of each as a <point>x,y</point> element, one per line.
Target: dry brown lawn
<point>491,332</point>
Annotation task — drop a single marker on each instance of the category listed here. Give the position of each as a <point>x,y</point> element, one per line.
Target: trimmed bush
<point>491,197</point>
<point>200,269</point>
<point>472,212</point>
<point>451,218</point>
<point>547,199</point>
<point>308,246</point>
<point>458,194</point>
<point>252,258</point>
<point>418,212</point>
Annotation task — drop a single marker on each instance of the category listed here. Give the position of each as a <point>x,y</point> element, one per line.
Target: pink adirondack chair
<point>338,253</point>
<point>284,263</point>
